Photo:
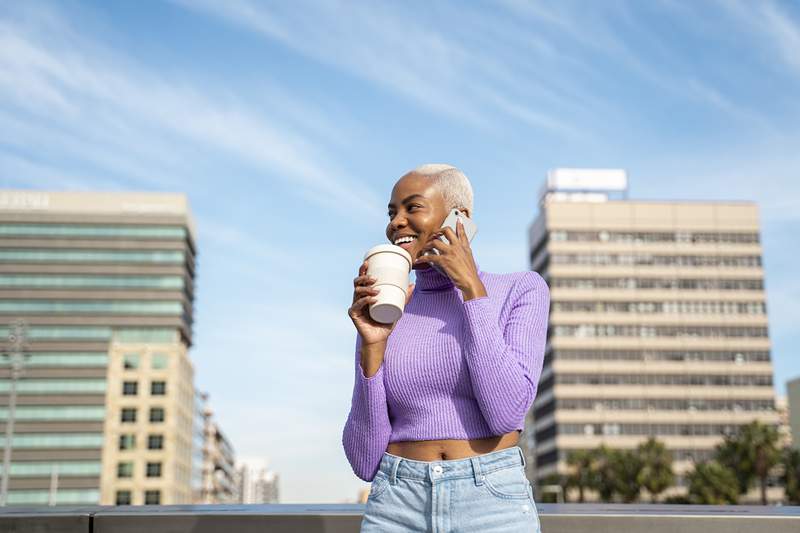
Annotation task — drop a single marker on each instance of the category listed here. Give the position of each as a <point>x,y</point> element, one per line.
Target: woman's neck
<point>430,279</point>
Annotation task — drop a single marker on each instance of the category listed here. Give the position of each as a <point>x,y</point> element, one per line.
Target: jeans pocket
<point>379,485</point>
<point>508,483</point>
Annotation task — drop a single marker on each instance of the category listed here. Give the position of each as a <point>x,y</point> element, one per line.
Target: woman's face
<point>416,209</point>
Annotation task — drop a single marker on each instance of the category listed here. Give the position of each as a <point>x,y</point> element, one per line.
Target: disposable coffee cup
<point>390,265</point>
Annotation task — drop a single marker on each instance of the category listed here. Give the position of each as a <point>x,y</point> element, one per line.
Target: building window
<point>152,497</point>
<point>127,441</point>
<point>153,470</point>
<point>123,497</point>
<point>130,388</point>
<point>125,469</point>
<point>155,442</point>
<point>128,414</point>
<point>158,388</point>
<point>156,414</point>
<point>158,361</point>
<point>130,361</point>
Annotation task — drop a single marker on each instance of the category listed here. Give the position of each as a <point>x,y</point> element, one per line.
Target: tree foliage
<point>713,484</point>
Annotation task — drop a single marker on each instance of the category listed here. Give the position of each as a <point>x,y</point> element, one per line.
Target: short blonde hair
<point>451,182</point>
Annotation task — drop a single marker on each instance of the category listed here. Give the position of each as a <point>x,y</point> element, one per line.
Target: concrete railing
<point>346,518</point>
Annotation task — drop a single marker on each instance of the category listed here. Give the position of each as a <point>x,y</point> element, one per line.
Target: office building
<point>793,408</point>
<point>256,483</point>
<point>218,467</point>
<point>104,283</point>
<point>658,323</point>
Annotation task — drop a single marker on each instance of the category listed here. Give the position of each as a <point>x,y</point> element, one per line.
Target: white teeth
<point>404,239</point>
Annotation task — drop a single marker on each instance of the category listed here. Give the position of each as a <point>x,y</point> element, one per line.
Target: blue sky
<point>287,124</point>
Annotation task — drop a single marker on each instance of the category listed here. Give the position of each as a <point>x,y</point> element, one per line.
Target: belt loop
<point>476,470</point>
<point>522,454</point>
<point>393,476</point>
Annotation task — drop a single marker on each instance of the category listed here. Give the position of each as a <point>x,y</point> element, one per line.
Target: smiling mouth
<point>407,243</point>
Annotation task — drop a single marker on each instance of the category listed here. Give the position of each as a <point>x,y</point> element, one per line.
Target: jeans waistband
<point>399,467</point>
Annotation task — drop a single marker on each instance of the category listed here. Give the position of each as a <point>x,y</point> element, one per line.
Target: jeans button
<point>437,469</point>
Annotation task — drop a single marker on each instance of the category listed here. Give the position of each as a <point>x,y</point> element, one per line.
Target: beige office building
<point>219,462</point>
<point>793,411</point>
<point>658,322</point>
<point>105,407</point>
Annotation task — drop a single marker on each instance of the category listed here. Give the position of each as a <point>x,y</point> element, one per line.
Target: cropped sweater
<point>452,369</point>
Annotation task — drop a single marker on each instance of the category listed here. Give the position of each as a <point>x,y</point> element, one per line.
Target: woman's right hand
<point>363,295</point>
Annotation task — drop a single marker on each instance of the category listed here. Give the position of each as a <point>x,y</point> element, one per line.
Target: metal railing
<point>346,518</point>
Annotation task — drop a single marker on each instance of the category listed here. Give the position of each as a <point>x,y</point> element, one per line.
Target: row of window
<point>60,281</point>
<point>127,441</point>
<point>172,257</point>
<point>63,497</point>
<point>56,412</point>
<point>90,359</point>
<point>47,468</point>
<point>677,307</point>
<point>55,440</point>
<point>666,404</point>
<point>613,428</point>
<point>659,283</point>
<point>151,497</point>
<point>112,307</point>
<point>696,237</point>
<point>98,333</point>
<point>92,230</point>
<point>131,388</point>
<point>56,386</point>
<point>657,260</point>
<point>125,469</point>
<point>664,355</point>
<point>664,379</point>
<point>128,414</point>
<point>132,361</point>
<point>677,455</point>
<point>638,330</point>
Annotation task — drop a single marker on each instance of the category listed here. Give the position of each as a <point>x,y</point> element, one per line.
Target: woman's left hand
<point>455,259</point>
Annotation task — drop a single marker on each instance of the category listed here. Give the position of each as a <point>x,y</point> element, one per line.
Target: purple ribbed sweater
<point>452,369</point>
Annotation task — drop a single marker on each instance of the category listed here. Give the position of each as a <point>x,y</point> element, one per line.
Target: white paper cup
<point>390,265</point>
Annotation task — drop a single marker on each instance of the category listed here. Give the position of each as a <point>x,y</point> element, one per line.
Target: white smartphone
<point>469,228</point>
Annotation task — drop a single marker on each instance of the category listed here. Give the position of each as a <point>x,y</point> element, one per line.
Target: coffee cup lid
<point>390,248</point>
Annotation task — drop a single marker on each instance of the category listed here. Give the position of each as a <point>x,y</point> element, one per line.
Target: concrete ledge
<point>346,518</point>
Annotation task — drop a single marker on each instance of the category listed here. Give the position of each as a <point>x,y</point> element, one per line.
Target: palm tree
<point>751,454</point>
<point>713,484</point>
<point>627,467</point>
<point>730,453</point>
<point>791,475</point>
<point>606,473</point>
<point>656,473</point>
<point>582,471</point>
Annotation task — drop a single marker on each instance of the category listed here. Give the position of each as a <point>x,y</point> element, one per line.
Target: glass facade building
<point>98,278</point>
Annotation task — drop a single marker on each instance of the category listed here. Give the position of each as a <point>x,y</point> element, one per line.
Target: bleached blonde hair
<point>451,182</point>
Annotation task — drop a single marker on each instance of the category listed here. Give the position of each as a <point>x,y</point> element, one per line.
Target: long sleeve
<point>367,430</point>
<point>505,364</point>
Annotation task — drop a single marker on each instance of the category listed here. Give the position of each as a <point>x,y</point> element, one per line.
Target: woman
<point>440,396</point>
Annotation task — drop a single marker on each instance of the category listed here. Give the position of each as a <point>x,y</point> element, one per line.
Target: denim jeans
<point>486,493</point>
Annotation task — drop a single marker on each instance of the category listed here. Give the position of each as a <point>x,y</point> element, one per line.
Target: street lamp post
<point>17,334</point>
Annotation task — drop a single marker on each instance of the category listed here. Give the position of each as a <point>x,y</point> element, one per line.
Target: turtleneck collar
<point>430,279</point>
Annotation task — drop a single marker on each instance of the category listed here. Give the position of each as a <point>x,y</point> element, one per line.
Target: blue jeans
<point>486,493</point>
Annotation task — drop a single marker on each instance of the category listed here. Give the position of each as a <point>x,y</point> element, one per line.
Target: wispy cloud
<point>776,28</point>
<point>101,99</point>
<point>786,33</point>
<point>432,65</point>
